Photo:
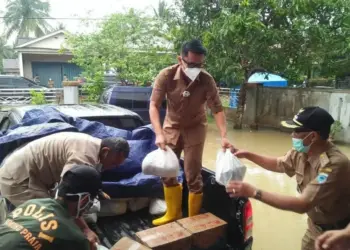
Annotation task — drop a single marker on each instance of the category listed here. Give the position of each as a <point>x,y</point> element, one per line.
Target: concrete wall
<point>272,105</point>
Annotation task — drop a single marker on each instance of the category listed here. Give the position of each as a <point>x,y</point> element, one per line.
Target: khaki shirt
<point>45,160</point>
<point>324,180</point>
<point>185,115</point>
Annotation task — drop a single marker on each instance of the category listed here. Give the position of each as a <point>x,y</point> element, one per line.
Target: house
<point>10,67</point>
<point>40,59</point>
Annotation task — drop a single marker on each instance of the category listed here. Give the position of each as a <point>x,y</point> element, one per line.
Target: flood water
<point>273,229</point>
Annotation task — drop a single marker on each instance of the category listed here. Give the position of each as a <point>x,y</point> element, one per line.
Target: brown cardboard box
<point>206,229</point>
<point>170,236</point>
<point>128,244</point>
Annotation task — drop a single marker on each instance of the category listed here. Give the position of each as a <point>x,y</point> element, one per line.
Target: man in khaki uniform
<point>322,173</point>
<point>32,171</point>
<point>187,88</point>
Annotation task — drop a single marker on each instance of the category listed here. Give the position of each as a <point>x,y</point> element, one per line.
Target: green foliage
<point>6,52</point>
<point>287,37</point>
<point>336,128</point>
<point>37,97</point>
<point>131,43</point>
<point>25,17</point>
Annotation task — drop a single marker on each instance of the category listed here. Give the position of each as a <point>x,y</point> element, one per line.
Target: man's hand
<point>160,141</point>
<point>239,153</point>
<point>225,144</point>
<point>240,189</point>
<point>92,238</point>
<point>333,240</point>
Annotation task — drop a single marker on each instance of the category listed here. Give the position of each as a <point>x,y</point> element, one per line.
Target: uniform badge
<point>322,178</point>
<point>186,93</point>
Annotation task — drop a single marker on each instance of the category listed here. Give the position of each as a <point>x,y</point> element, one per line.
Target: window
<point>20,83</point>
<point>127,123</point>
<point>5,82</point>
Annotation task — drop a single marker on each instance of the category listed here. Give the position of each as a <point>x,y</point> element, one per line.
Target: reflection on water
<point>273,229</point>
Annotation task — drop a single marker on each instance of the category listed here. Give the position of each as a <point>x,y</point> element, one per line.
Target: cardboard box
<point>170,236</point>
<point>128,244</point>
<point>206,229</point>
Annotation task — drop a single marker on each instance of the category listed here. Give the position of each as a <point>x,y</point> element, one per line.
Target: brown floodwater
<point>273,229</point>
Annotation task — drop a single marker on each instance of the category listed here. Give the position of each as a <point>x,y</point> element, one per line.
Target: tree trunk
<point>240,106</point>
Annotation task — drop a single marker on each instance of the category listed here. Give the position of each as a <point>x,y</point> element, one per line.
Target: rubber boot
<point>173,199</point>
<point>194,203</point>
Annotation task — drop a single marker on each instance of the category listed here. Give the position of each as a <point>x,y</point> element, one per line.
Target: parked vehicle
<point>17,82</point>
<point>107,114</point>
<point>134,98</point>
<point>237,212</point>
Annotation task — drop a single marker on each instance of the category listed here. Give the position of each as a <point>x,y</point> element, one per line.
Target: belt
<point>334,226</point>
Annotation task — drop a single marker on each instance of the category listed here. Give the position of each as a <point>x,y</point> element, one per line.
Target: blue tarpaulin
<point>125,181</point>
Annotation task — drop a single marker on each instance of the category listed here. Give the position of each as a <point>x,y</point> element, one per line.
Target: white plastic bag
<point>228,167</point>
<point>113,207</point>
<point>161,163</point>
<point>136,204</point>
<point>157,206</point>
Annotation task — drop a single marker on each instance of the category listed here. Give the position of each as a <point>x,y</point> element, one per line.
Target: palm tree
<point>26,17</point>
<point>5,51</point>
<point>162,12</point>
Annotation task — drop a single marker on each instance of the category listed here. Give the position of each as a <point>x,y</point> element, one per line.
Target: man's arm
<point>269,163</point>
<point>323,189</point>
<point>90,235</point>
<point>215,105</point>
<point>284,202</point>
<point>157,97</point>
<point>283,164</point>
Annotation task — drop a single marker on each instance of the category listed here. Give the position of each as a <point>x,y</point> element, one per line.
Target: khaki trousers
<point>18,193</point>
<point>312,232</point>
<point>192,166</point>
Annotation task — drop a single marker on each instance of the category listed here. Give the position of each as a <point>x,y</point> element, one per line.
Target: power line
<point>60,18</point>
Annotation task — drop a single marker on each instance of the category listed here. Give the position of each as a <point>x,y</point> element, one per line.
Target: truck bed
<point>215,200</point>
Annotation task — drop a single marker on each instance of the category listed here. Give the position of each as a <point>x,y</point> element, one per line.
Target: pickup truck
<point>237,212</point>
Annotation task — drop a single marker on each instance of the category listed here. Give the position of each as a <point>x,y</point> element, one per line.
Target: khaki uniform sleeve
<point>287,163</point>
<point>78,158</point>
<point>159,88</point>
<point>213,98</point>
<point>325,188</point>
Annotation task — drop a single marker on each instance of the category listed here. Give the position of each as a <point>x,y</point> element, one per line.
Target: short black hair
<point>194,46</point>
<point>116,144</point>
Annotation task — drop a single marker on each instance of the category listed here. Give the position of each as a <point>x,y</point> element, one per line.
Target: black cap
<point>80,179</point>
<point>311,119</point>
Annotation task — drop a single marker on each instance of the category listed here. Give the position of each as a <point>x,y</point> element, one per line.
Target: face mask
<point>298,145</point>
<point>81,208</point>
<point>192,73</point>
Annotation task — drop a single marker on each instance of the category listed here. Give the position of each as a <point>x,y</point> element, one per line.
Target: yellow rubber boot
<point>194,204</point>
<point>173,199</point>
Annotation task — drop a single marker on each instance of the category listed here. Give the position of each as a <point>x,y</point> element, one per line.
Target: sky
<point>87,9</point>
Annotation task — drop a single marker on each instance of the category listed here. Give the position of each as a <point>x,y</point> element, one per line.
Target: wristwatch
<point>257,194</point>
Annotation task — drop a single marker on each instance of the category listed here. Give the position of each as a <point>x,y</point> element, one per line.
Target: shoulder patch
<point>322,178</point>
<point>326,170</point>
<point>324,160</point>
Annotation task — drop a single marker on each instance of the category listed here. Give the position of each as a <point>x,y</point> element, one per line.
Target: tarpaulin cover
<point>124,181</point>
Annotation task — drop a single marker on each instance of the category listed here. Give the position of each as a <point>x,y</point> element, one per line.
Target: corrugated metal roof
<point>10,64</point>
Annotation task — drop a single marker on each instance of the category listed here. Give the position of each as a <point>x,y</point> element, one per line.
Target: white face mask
<point>192,73</point>
<point>81,209</point>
